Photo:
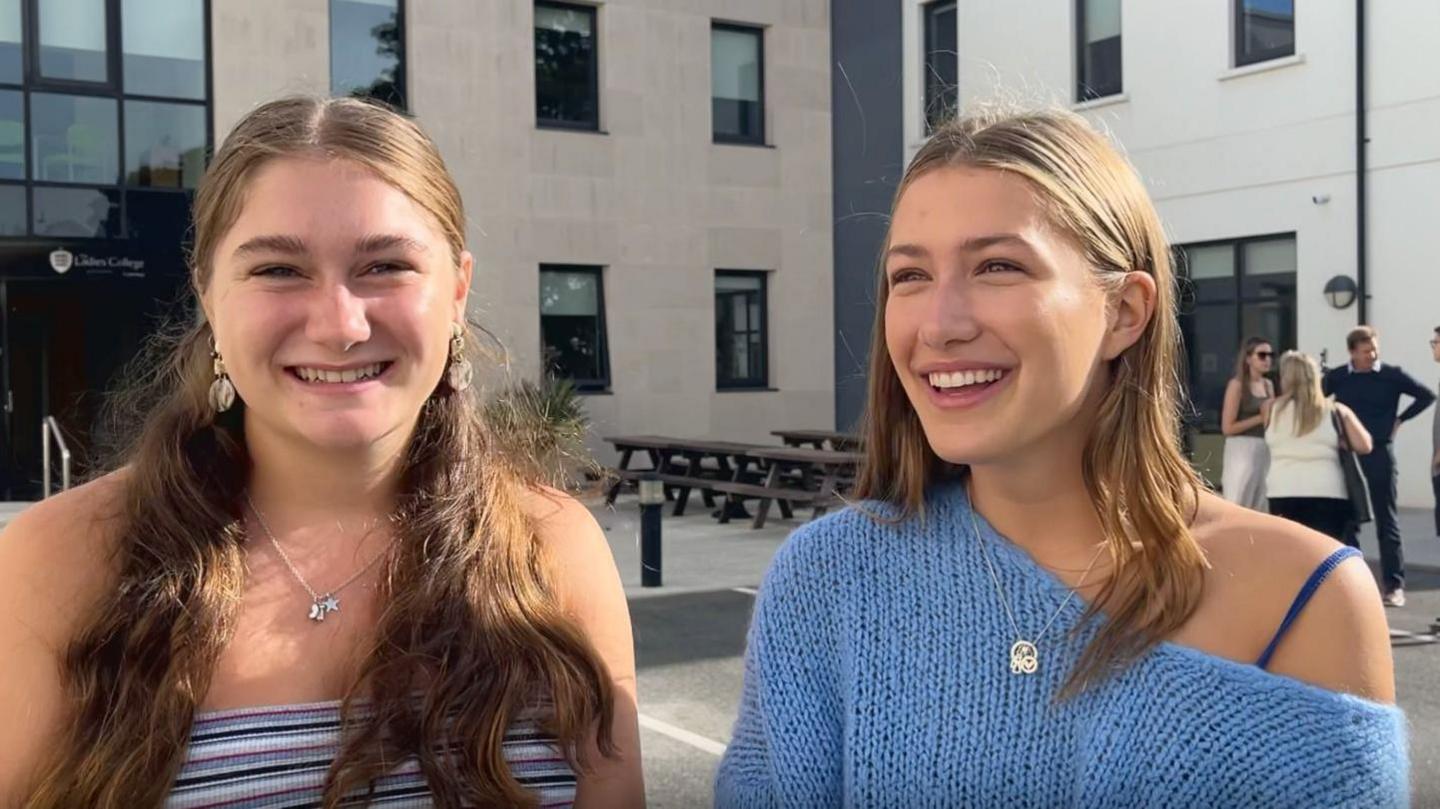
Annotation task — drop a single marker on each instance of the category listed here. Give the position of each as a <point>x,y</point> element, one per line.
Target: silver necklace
<point>320,604</point>
<point>1024,654</point>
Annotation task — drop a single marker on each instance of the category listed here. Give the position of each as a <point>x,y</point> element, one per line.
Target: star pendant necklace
<point>1024,654</point>
<point>320,604</point>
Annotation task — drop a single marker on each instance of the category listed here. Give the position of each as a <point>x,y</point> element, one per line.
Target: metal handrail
<point>48,428</point>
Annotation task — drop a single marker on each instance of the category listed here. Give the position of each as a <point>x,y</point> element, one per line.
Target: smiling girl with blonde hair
<point>1036,603</point>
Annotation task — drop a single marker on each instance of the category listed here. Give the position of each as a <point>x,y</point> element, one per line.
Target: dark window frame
<point>402,54</point>
<point>931,116</point>
<point>1084,88</point>
<point>32,82</point>
<point>1237,302</point>
<point>759,31</point>
<point>600,384</point>
<point>1244,56</point>
<point>760,381</point>
<point>589,125</point>
<point>114,59</point>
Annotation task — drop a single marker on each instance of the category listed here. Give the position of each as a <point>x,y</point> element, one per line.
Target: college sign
<point>115,259</point>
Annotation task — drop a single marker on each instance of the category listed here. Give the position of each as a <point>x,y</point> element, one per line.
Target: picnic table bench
<point>681,464</point>
<point>820,439</point>
<point>785,476</point>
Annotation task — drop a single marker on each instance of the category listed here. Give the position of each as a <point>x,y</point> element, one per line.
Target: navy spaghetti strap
<point>1315,580</point>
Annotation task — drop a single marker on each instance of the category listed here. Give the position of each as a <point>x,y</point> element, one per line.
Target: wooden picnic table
<point>819,439</point>
<point>682,464</point>
<point>833,466</point>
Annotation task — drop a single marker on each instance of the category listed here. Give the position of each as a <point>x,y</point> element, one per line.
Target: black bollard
<point>652,500</point>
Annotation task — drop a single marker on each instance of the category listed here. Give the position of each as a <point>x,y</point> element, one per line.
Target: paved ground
<point>690,635</point>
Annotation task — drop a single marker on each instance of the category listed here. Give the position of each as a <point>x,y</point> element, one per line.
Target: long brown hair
<point>471,624</point>
<point>1143,488</point>
<point>1242,366</point>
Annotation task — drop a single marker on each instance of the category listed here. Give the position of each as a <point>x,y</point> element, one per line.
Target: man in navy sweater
<point>1373,391</point>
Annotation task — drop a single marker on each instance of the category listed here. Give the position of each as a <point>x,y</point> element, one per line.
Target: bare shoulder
<point>572,542</point>
<point>1259,564</point>
<point>57,555</point>
<point>581,567</point>
<point>56,560</point>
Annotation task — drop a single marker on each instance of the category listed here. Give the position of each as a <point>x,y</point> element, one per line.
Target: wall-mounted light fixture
<point>1340,291</point>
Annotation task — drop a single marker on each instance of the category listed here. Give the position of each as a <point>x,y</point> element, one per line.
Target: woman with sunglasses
<point>1248,396</point>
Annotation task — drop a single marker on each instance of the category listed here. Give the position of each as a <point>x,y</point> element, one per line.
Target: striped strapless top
<point>277,756</point>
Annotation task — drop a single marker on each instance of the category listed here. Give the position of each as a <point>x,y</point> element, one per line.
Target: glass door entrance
<point>65,342</point>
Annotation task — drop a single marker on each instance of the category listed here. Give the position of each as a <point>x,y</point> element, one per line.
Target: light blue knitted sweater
<point>877,675</point>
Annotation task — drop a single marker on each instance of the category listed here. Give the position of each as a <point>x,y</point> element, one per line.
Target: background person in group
<point>1248,395</point>
<point>1373,389</point>
<point>1305,482</point>
<point>318,575</point>
<point>1035,602</point>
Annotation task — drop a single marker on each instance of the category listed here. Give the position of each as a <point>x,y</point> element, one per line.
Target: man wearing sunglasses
<point>1373,391</point>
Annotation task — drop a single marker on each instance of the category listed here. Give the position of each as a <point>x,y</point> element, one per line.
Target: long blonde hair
<point>1300,386</point>
<point>1144,490</point>
<point>471,622</point>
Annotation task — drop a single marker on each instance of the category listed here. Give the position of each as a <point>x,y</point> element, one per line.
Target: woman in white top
<point>1305,482</point>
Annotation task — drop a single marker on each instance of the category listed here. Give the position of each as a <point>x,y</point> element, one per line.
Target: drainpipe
<point>1361,139</point>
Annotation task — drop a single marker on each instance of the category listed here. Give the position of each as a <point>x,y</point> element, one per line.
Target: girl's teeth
<point>348,375</point>
<point>960,379</point>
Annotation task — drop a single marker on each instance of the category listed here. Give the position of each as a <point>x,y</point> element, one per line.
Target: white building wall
<point>650,198</point>
<point>1229,153</point>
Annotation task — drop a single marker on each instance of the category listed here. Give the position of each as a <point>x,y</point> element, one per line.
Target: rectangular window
<point>942,63</point>
<point>80,213</point>
<point>737,83</point>
<point>572,325</point>
<point>12,135</point>
<point>73,139</point>
<point>73,34</point>
<point>12,210</point>
<point>367,50</point>
<point>164,144</point>
<point>1098,52</point>
<point>1264,30</point>
<point>1233,290</point>
<point>567,92</point>
<point>741,336</point>
<point>164,47</point>
<point>11,42</point>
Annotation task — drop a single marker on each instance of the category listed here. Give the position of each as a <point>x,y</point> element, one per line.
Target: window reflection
<point>367,49</point>
<point>164,144</point>
<point>572,325</point>
<point>565,66</point>
<point>87,213</point>
<point>12,135</point>
<point>73,139</point>
<point>72,40</point>
<point>164,47</point>
<point>12,210</point>
<point>737,97</point>
<point>10,42</point>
